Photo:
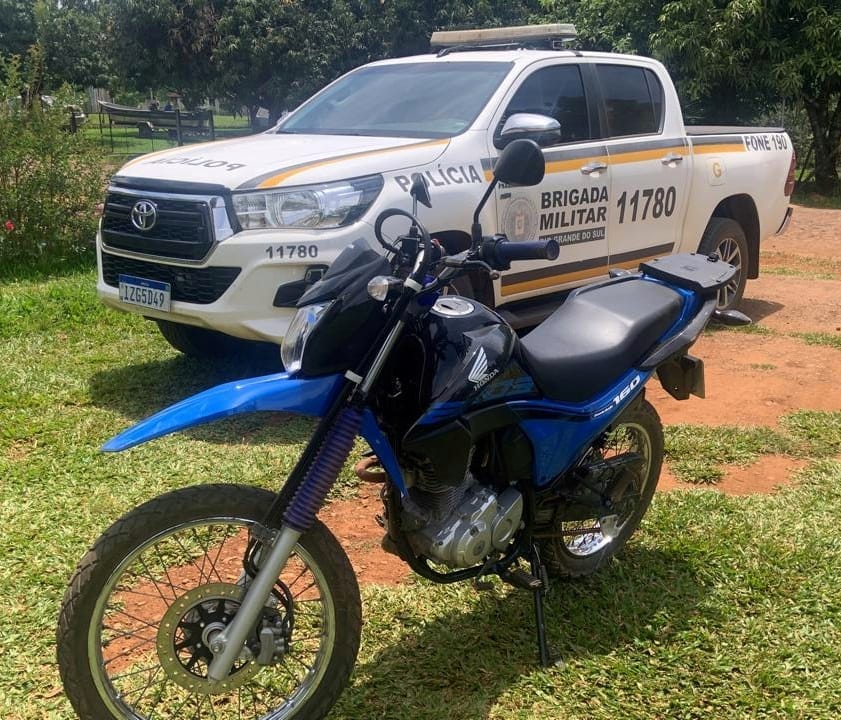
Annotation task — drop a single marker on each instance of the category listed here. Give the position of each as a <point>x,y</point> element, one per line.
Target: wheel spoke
<point>163,600</point>
<point>587,537</point>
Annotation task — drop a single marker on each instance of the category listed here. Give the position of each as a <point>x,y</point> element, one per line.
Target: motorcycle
<point>529,459</point>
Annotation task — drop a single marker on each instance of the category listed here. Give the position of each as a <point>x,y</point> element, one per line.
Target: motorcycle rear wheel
<point>143,604</point>
<point>579,548</point>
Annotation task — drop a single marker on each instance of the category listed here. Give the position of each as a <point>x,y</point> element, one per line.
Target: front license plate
<point>145,293</point>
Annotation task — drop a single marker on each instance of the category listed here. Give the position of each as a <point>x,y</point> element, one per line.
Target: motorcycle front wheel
<point>148,598</point>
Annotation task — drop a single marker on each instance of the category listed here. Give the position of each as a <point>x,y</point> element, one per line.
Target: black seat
<point>599,333</point>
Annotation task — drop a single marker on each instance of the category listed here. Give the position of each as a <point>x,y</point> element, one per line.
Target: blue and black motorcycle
<point>524,458</point>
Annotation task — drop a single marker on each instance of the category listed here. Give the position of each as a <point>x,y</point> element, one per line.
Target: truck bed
<point>698,130</point>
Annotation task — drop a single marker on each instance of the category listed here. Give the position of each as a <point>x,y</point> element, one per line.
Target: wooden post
<point>212,126</point>
<point>178,127</point>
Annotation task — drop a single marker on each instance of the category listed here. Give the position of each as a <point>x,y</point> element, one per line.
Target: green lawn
<point>123,142</point>
<point>720,608</point>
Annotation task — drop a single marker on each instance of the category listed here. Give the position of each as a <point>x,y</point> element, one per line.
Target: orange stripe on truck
<point>281,177</point>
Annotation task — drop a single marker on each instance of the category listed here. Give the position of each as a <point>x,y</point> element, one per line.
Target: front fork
<point>342,424</point>
<point>298,518</point>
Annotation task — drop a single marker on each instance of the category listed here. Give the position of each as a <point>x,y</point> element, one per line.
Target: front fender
<point>278,392</point>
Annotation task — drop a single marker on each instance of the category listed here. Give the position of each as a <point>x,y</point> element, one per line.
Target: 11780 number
<point>292,252</point>
<point>654,202</point>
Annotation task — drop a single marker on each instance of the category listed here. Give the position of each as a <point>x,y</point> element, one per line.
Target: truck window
<point>434,99</point>
<point>633,100</point>
<point>558,92</point>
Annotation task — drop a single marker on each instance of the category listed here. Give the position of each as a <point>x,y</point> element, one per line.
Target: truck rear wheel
<point>726,239</point>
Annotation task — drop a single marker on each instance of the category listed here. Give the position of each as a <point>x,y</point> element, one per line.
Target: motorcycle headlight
<point>329,205</point>
<point>292,347</point>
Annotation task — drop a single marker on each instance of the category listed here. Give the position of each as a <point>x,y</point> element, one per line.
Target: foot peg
<point>521,579</point>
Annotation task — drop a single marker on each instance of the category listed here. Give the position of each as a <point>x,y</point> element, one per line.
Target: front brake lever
<point>462,262</point>
<point>481,265</point>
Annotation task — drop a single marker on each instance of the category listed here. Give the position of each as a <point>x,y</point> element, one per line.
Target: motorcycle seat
<point>597,335</point>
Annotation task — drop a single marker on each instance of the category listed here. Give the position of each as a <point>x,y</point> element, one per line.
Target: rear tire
<point>133,631</point>
<point>571,555</point>
<point>726,239</point>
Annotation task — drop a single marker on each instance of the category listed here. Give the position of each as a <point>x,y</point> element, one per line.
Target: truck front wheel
<point>201,343</point>
<point>726,239</point>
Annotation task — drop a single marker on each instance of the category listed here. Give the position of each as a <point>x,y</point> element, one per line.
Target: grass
<point>798,273</point>
<point>805,194</point>
<point>825,339</point>
<point>721,607</point>
<point>821,338</point>
<point>697,452</point>
<point>125,141</point>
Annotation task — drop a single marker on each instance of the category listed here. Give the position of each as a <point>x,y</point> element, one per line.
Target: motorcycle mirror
<point>521,163</point>
<point>420,191</point>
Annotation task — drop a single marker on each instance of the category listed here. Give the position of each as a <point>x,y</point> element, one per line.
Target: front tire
<point>203,344</point>
<point>579,548</point>
<point>131,635</point>
<point>726,239</point>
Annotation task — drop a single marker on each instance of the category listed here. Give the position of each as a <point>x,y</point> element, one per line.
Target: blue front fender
<point>273,393</point>
<point>277,392</point>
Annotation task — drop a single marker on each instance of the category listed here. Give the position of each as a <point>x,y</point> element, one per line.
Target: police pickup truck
<point>219,240</point>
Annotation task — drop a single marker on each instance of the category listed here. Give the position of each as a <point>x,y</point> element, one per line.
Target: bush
<point>50,179</point>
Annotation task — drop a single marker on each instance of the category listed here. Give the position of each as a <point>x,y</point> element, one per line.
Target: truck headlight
<point>328,205</point>
<point>292,347</point>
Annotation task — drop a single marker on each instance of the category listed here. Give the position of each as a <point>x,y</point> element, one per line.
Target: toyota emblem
<point>144,215</point>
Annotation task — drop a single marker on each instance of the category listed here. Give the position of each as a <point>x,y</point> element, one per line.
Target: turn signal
<point>383,287</point>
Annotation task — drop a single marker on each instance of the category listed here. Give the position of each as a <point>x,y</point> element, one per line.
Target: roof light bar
<point>524,34</point>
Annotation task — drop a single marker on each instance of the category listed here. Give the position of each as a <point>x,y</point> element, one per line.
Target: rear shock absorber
<point>322,474</point>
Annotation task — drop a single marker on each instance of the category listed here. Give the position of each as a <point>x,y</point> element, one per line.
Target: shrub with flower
<point>50,179</point>
<point>6,230</point>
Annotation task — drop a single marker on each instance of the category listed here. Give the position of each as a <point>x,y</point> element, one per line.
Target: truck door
<point>649,165</point>
<point>571,204</point>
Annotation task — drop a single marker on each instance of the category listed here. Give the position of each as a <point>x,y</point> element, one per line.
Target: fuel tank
<point>468,345</point>
<point>460,351</point>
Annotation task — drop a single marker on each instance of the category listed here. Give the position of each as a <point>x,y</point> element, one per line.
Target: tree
<point>608,25</point>
<point>73,36</point>
<point>17,26</point>
<point>165,43</point>
<point>276,54</point>
<point>789,49</point>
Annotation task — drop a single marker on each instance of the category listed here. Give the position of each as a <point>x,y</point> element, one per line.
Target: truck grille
<point>182,231</point>
<point>195,285</point>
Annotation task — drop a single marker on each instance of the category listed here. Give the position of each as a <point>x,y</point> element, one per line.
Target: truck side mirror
<point>544,130</point>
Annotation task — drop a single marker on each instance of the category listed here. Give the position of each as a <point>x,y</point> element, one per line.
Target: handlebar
<point>499,253</point>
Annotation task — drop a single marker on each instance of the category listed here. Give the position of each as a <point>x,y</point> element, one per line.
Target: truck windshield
<point>426,99</point>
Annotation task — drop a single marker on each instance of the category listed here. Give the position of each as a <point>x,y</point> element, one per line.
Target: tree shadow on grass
<point>458,665</point>
<point>138,391</point>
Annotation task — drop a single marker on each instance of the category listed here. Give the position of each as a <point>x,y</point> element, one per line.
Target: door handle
<point>593,167</point>
<point>671,158</point>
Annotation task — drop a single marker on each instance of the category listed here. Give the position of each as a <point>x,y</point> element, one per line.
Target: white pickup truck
<point>219,240</point>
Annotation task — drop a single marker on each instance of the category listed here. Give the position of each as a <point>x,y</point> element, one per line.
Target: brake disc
<point>186,631</point>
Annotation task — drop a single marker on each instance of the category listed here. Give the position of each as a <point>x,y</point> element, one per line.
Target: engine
<point>461,526</point>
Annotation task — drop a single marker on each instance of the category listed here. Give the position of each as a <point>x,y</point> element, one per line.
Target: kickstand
<point>539,571</point>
